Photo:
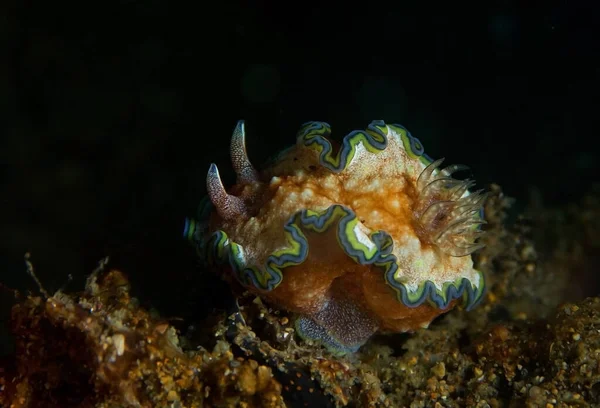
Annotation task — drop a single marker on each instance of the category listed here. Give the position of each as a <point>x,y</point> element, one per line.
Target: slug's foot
<point>339,325</point>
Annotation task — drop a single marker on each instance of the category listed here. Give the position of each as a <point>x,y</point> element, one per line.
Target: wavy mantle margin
<point>375,139</point>
<point>218,249</point>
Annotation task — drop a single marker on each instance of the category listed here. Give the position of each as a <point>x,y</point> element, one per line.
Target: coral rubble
<point>100,349</point>
<point>529,344</point>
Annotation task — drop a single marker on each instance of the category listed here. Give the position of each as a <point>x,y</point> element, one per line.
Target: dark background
<point>113,111</point>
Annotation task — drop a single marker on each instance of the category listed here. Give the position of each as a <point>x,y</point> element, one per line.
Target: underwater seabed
<point>523,346</point>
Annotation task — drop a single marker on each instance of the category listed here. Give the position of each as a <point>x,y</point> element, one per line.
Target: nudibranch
<point>370,235</point>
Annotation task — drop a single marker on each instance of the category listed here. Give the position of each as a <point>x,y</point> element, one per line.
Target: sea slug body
<point>372,235</point>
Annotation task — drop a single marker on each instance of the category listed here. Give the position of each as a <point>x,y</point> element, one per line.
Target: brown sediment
<point>100,349</point>
<point>523,347</point>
